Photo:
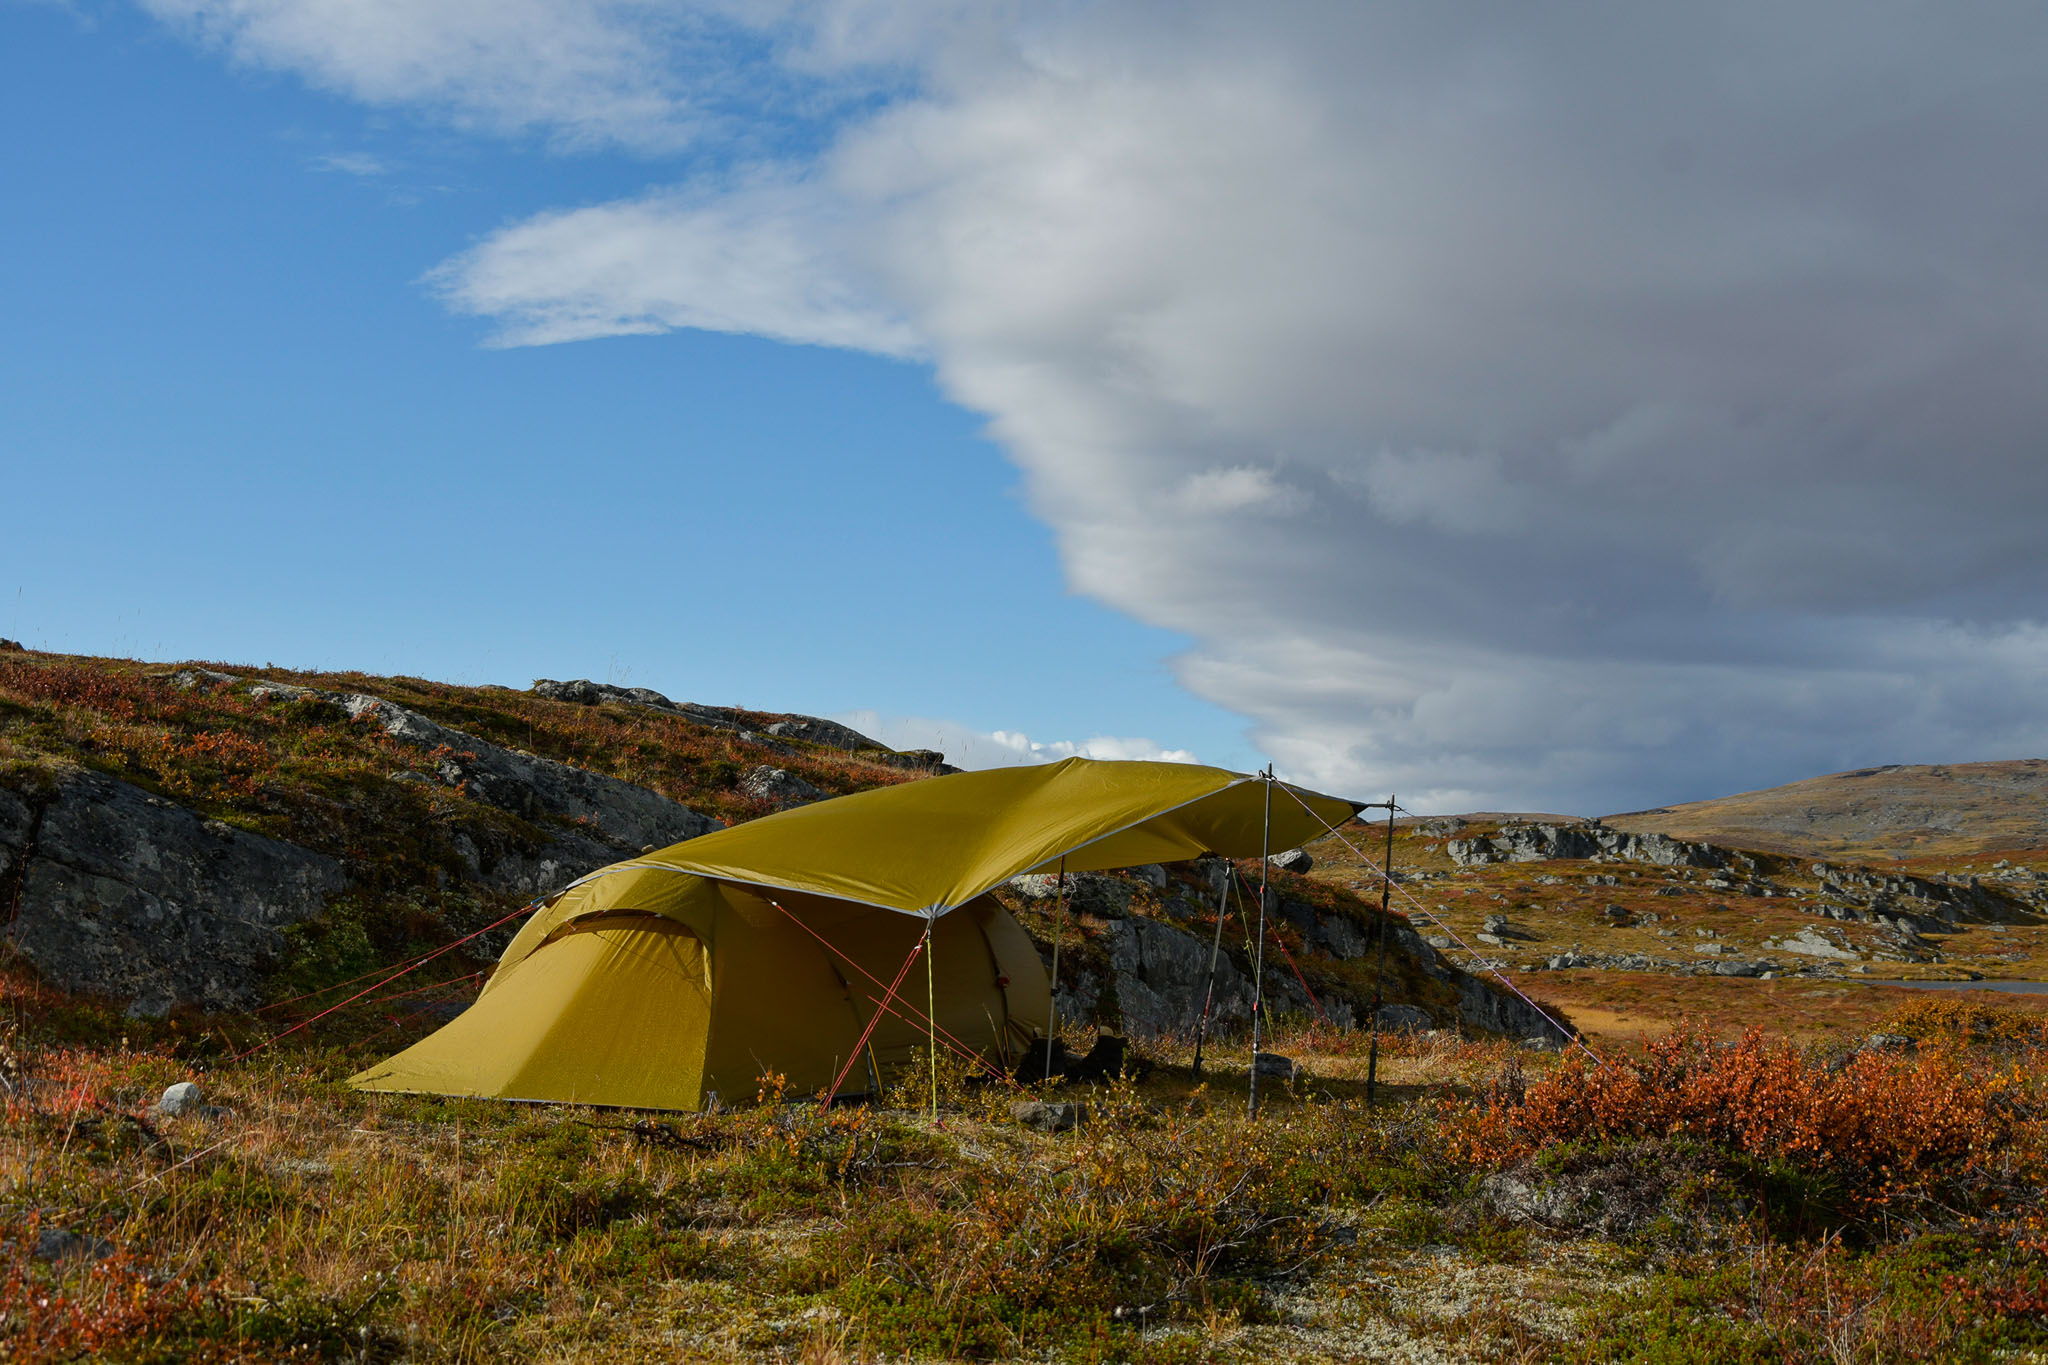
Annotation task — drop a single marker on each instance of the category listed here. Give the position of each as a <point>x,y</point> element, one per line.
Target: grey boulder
<point>779,787</point>
<point>1049,1118</point>
<point>61,1244</point>
<point>1404,1019</point>
<point>182,1098</point>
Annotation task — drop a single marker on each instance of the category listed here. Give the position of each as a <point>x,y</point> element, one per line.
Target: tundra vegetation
<point>1800,1168</point>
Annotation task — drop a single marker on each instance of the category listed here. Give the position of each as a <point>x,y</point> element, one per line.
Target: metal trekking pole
<point>1215,952</point>
<point>1379,971</point>
<point>1259,965</point>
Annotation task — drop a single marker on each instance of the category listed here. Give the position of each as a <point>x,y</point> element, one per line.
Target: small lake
<point>2016,987</point>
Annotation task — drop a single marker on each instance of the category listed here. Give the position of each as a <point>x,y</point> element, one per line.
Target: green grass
<point>313,1222</point>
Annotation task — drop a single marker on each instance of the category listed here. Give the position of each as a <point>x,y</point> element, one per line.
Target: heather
<point>1802,1168</point>
<point>1691,1199</point>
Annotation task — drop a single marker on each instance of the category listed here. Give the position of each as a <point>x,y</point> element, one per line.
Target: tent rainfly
<point>766,948</point>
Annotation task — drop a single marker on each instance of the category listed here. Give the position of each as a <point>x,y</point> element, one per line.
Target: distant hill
<point>1905,811</point>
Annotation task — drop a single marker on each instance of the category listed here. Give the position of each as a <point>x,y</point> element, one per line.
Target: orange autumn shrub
<point>1892,1123</point>
<point>1952,1021</point>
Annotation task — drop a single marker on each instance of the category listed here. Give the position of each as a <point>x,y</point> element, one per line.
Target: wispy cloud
<point>760,259</point>
<point>352,163</point>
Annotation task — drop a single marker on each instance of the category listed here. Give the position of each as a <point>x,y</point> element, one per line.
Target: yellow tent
<point>768,948</point>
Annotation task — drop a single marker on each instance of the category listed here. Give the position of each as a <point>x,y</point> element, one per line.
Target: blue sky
<point>1559,407</point>
<point>249,432</point>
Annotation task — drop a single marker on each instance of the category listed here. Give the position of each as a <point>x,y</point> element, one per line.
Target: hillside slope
<point>1910,811</point>
<point>209,838</point>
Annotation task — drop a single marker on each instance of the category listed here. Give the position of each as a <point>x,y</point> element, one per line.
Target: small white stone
<point>179,1099</point>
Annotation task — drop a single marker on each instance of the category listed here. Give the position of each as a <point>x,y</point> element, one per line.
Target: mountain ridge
<point>1896,810</point>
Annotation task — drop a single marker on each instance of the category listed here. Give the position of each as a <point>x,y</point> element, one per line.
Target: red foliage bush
<point>1893,1123</point>
<point>47,1314</point>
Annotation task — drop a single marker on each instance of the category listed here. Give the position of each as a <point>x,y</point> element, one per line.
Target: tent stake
<point>1215,951</point>
<point>1059,924</point>
<point>1259,964</point>
<point>1379,971</point>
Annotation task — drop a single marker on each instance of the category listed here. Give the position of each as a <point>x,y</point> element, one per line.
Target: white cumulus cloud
<point>966,747</point>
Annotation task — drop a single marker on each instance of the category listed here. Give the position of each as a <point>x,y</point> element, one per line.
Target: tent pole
<point>931,1016</point>
<point>1059,924</point>
<point>1379,971</point>
<point>1215,951</point>
<point>1259,964</point>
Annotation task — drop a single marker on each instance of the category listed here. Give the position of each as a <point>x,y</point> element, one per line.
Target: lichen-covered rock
<point>1162,977</point>
<point>817,730</point>
<point>1087,893</point>
<point>1293,860</point>
<point>623,814</point>
<point>1340,937</point>
<point>1541,843</point>
<point>1811,942</point>
<point>17,827</point>
<point>126,894</point>
<point>779,787</point>
<point>1481,1004</point>
<point>1404,1019</point>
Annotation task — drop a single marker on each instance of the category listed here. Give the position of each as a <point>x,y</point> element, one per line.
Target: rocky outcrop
<point>1162,976</point>
<point>1541,843</point>
<point>808,729</point>
<point>1481,1004</point>
<point>830,733</point>
<point>126,894</point>
<point>1404,1019</point>
<point>1087,893</point>
<point>626,816</point>
<point>1924,903</point>
<point>1813,943</point>
<point>18,820</point>
<point>779,787</point>
<point>202,679</point>
<point>1156,972</point>
<point>1645,962</point>
<point>531,869</point>
<point>117,892</point>
<point>583,692</point>
<point>1293,860</point>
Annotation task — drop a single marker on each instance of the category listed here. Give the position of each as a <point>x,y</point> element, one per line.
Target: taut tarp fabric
<point>926,847</point>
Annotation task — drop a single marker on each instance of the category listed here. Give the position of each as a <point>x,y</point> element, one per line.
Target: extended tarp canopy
<point>765,949</point>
